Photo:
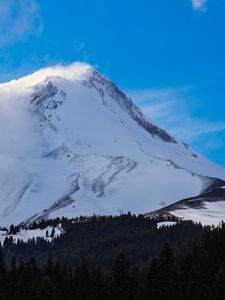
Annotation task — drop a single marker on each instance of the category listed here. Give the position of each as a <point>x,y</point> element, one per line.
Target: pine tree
<point>82,285</point>
<point>121,281</point>
<point>166,258</point>
<point>219,284</point>
<point>97,284</point>
<point>153,280</point>
<point>2,276</point>
<point>12,279</point>
<point>52,235</point>
<point>46,290</point>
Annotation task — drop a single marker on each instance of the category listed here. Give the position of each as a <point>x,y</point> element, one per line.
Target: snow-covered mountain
<point>73,144</point>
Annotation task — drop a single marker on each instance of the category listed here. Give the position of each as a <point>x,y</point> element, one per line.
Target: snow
<point>166,223</point>
<point>75,71</point>
<point>212,213</point>
<point>74,145</point>
<point>25,235</point>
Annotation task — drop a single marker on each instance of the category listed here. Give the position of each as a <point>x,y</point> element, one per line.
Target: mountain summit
<point>72,143</point>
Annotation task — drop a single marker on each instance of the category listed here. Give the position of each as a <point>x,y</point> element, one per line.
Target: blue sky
<point>167,55</point>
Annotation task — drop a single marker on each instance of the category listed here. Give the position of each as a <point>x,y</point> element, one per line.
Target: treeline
<point>196,272</point>
<point>99,240</point>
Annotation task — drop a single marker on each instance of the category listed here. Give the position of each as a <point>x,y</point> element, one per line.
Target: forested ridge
<point>124,257</point>
<point>98,240</point>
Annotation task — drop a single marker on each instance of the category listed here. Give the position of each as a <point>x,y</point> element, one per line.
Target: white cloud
<point>18,19</point>
<point>199,5</point>
<point>176,111</point>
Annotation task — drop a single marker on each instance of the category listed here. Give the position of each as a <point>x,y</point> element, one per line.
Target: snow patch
<point>25,235</point>
<point>166,223</point>
<point>211,214</point>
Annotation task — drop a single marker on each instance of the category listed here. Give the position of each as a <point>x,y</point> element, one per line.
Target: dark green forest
<point>99,240</point>
<point>125,257</point>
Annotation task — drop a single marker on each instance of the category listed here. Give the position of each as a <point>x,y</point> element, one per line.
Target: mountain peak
<point>74,144</point>
<point>74,71</point>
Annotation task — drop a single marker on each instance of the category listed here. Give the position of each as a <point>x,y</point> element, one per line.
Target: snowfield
<point>74,144</point>
<point>25,235</point>
<point>210,214</point>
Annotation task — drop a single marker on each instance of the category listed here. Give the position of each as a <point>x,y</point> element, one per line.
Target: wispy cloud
<point>18,19</point>
<point>81,49</point>
<point>175,110</point>
<point>199,5</point>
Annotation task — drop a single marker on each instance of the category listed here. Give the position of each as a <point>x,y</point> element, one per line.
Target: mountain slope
<point>74,144</point>
<point>207,208</point>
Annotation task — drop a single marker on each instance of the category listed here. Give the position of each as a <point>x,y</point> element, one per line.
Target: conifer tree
<point>121,281</point>
<point>2,276</point>
<point>219,284</point>
<point>46,289</point>
<point>52,235</point>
